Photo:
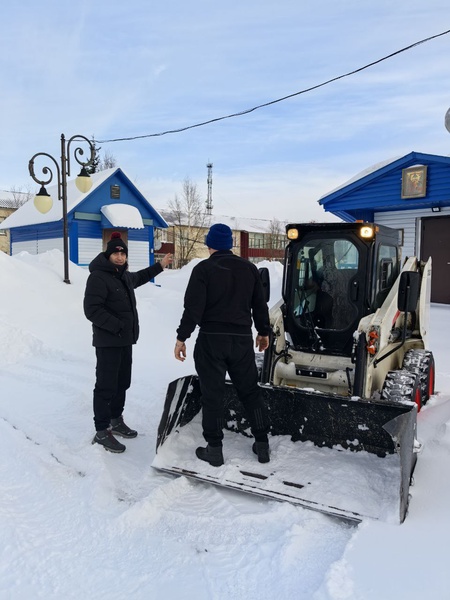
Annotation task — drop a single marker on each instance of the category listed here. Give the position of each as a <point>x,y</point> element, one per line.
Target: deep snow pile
<point>78,522</point>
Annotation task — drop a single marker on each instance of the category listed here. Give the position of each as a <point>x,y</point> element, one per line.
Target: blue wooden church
<point>113,204</point>
<point>411,194</point>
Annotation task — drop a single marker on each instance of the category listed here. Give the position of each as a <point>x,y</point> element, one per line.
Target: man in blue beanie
<point>224,296</point>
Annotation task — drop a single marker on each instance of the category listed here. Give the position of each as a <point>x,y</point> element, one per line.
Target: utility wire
<point>249,110</point>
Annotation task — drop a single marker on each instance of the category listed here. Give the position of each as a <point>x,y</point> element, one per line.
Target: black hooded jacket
<point>110,302</point>
<point>224,295</point>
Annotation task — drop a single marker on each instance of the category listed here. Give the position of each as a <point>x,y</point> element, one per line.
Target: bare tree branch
<point>189,220</point>
<point>276,239</point>
<point>108,161</point>
<point>20,195</point>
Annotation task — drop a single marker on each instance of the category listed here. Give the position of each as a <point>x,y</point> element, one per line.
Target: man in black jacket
<point>223,295</point>
<point>110,303</point>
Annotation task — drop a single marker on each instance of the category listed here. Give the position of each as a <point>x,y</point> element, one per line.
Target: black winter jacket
<point>224,293</point>
<point>110,302</point>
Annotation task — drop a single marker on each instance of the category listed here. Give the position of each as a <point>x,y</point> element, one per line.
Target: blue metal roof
<point>379,189</point>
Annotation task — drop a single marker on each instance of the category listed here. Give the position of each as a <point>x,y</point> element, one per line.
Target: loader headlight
<point>292,233</point>
<point>367,232</point>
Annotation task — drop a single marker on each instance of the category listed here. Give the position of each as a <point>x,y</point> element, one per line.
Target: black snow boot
<point>262,450</point>
<point>211,454</point>
<point>106,439</point>
<point>118,427</point>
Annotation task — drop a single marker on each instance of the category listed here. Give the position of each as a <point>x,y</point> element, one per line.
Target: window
<point>325,269</point>
<point>164,235</point>
<point>387,271</point>
<point>345,255</point>
<point>256,240</point>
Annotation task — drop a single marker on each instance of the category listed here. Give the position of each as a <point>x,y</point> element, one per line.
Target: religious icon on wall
<point>414,182</point>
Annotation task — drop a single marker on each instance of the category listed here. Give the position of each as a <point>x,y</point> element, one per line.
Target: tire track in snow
<point>248,541</point>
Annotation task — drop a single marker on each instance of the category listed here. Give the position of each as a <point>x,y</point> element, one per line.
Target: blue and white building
<point>411,194</point>
<point>113,204</point>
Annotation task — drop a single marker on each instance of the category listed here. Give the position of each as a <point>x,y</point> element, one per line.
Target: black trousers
<point>214,355</point>
<point>113,378</point>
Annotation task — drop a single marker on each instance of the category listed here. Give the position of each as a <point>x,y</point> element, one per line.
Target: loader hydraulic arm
<point>408,296</point>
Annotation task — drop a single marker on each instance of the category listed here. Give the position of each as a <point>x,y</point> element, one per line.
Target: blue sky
<point>114,70</point>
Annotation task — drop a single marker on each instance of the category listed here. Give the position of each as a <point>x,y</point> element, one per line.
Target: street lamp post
<point>43,201</point>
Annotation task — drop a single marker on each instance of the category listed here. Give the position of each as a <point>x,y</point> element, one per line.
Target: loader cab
<point>333,277</point>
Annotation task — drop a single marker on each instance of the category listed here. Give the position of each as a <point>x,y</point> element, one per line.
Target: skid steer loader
<point>344,376</point>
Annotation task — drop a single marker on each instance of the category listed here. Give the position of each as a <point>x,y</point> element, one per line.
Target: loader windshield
<point>323,271</point>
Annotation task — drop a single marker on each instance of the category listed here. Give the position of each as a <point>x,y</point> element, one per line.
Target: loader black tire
<point>421,362</point>
<point>402,385</point>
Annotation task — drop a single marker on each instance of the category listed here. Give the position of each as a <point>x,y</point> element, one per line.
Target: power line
<point>15,192</point>
<point>249,110</point>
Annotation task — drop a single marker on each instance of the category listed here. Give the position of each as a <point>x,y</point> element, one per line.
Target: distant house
<point>113,204</point>
<point>411,194</point>
<point>9,203</point>
<point>254,239</point>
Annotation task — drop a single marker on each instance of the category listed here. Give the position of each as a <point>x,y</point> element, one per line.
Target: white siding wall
<point>37,247</point>
<point>88,248</point>
<point>138,255</point>
<point>30,247</point>
<point>52,244</point>
<point>410,222</point>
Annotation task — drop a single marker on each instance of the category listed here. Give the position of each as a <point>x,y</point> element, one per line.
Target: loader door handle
<point>354,291</point>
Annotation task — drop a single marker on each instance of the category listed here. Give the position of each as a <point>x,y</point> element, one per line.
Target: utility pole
<point>209,205</point>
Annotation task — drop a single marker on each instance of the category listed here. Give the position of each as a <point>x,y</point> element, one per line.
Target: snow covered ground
<point>79,522</point>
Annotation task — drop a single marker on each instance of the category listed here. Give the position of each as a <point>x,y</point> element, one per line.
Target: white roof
<point>236,223</point>
<point>123,215</point>
<point>245,223</point>
<point>29,215</point>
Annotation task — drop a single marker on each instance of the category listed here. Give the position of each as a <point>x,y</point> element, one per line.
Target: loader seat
<point>337,285</point>
<point>315,304</point>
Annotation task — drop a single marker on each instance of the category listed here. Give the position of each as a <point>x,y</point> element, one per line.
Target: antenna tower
<point>209,205</point>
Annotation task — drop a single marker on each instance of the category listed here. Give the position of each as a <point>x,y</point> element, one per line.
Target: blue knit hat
<point>220,237</point>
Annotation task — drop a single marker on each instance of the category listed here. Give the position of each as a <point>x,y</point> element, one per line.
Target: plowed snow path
<point>85,523</point>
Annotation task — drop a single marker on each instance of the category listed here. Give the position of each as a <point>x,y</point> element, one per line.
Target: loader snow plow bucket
<point>346,457</point>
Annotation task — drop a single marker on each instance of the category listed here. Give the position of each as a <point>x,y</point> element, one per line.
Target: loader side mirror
<point>408,291</point>
<point>265,280</point>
